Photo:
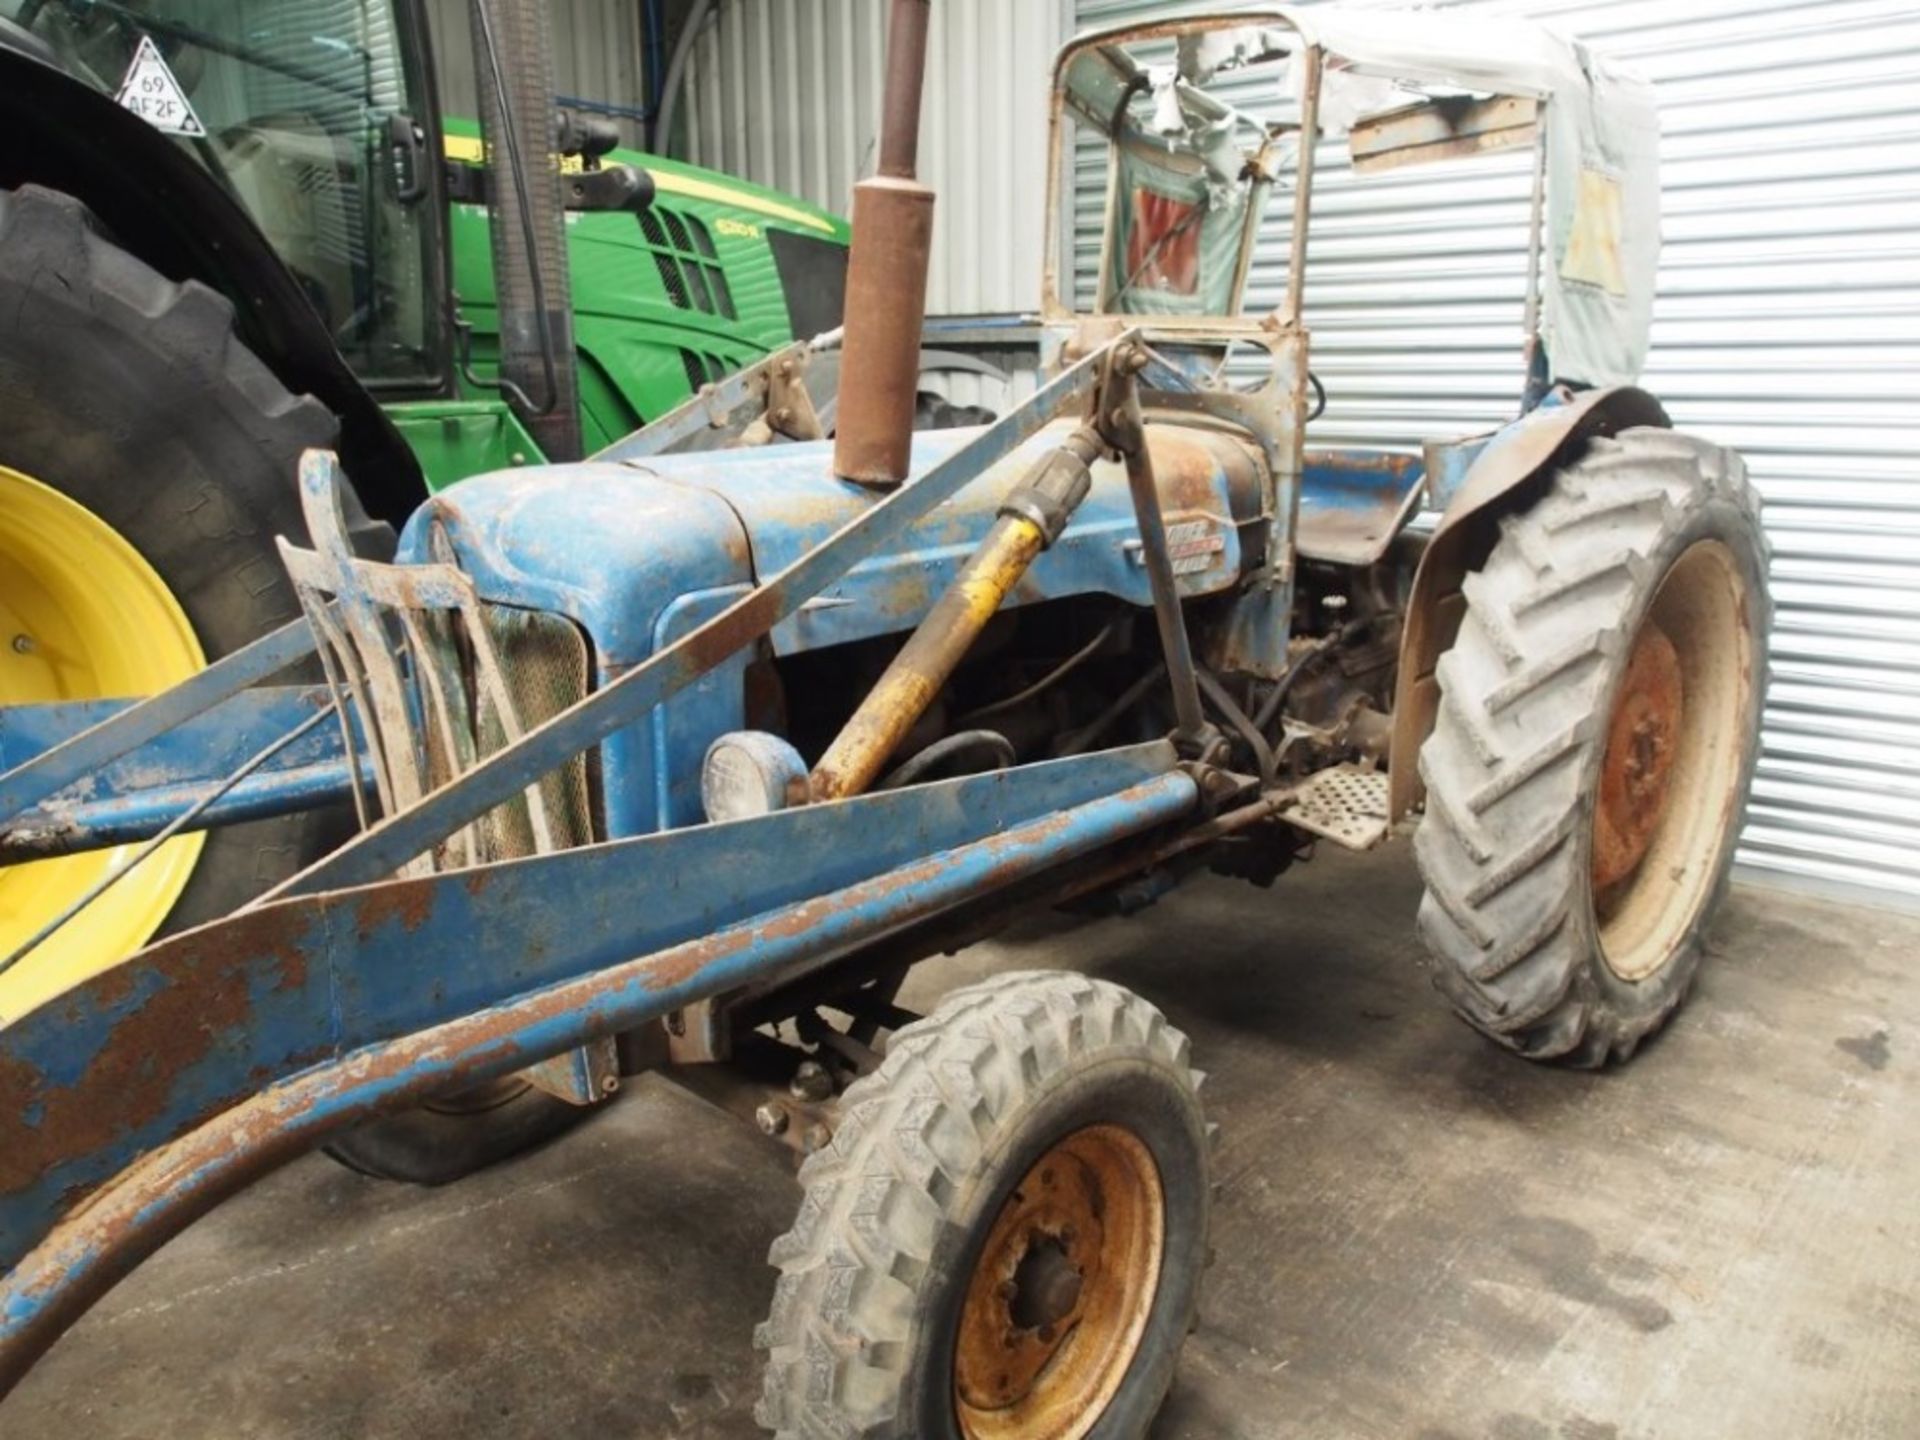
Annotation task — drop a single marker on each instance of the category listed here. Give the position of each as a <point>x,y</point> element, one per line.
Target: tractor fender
<point>1536,444</point>
<point>163,207</point>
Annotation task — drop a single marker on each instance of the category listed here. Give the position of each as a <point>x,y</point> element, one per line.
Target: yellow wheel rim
<point>83,616</point>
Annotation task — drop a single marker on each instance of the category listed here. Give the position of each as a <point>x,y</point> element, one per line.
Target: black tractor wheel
<point>1599,723</point>
<point>1006,1236</point>
<point>450,1138</point>
<point>147,462</point>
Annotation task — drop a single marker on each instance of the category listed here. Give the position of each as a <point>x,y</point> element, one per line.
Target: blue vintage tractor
<point>678,759</point>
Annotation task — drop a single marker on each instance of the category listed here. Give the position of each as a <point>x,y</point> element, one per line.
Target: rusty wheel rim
<point>1637,769</point>
<point>1058,1303</point>
<point>1669,783</point>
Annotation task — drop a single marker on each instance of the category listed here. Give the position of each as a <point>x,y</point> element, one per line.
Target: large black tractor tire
<point>1599,723</point>
<point>1007,1233</point>
<point>132,396</point>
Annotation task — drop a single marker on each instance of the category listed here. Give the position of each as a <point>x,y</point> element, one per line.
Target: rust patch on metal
<point>1185,467</point>
<point>1368,463</point>
<point>1636,774</point>
<point>1058,1301</point>
<point>115,985</point>
<point>291,961</point>
<point>887,274</point>
<point>166,1035</point>
<point>409,902</point>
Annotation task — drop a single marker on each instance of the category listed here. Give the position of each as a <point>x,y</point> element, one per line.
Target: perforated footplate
<point>1347,804</point>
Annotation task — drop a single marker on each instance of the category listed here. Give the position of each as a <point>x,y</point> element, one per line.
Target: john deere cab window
<point>307,109</point>
<point>1187,132</point>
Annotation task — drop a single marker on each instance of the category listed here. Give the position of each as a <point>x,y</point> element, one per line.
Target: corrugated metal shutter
<point>788,95</point>
<point>1788,326</point>
<point>597,55</point>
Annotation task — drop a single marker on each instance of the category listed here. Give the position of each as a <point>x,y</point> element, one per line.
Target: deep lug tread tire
<point>132,395</point>
<point>859,1336</point>
<point>1511,765</point>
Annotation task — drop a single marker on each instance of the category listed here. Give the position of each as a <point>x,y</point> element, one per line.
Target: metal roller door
<point>1788,326</point>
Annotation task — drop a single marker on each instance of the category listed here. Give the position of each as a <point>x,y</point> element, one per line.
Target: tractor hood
<point>618,547</point>
<point>639,555</point>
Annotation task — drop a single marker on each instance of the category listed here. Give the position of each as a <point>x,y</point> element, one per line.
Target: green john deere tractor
<point>229,231</point>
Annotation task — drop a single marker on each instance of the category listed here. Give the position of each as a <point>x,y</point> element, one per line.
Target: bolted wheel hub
<point>1061,1294</point>
<point>1637,770</point>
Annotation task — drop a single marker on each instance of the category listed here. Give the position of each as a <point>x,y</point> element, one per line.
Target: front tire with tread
<point>897,1209</point>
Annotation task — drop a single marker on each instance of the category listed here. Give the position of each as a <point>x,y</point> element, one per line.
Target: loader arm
<point>143,1097</point>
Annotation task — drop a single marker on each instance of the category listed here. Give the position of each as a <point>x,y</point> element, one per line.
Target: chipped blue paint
<point>530,957</point>
<point>1353,503</point>
<point>137,795</point>
<point>74,759</point>
<point>278,986</point>
<point>390,844</point>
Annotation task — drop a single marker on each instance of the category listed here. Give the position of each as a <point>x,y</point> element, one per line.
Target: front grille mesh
<point>689,266</point>
<point>543,661</point>
<point>544,658</point>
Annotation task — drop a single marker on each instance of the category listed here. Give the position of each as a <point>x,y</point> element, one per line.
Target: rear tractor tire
<point>147,461</point>
<point>1006,1236</point>
<point>1599,722</point>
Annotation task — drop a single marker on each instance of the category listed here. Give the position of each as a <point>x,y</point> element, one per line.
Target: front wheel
<point>1599,722</point>
<point>1007,1234</point>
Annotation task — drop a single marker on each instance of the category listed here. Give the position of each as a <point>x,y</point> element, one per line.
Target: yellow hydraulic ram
<point>1030,520</point>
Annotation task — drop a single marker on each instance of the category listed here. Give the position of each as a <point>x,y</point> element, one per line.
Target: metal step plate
<point>1346,804</point>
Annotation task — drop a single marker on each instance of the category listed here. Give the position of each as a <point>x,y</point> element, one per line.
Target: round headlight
<point>749,773</point>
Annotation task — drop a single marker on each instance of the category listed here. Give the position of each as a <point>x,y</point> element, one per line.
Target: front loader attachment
<point>138,1100</point>
<point>420,958</point>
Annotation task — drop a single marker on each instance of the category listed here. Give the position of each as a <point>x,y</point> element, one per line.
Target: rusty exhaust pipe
<point>887,274</point>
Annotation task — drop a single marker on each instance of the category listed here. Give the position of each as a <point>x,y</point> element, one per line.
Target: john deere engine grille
<point>688,264</point>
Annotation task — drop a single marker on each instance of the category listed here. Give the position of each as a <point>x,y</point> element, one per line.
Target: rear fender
<point>1537,444</point>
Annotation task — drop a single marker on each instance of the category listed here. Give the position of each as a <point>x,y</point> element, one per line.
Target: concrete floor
<point>1419,1237</point>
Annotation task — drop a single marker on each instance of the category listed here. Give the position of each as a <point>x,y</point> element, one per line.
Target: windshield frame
<point>1057,271</point>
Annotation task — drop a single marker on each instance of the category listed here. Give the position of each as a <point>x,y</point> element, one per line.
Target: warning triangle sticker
<point>151,92</point>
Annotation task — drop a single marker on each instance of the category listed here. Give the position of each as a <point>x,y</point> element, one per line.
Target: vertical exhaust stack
<point>526,218</point>
<point>887,274</point>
